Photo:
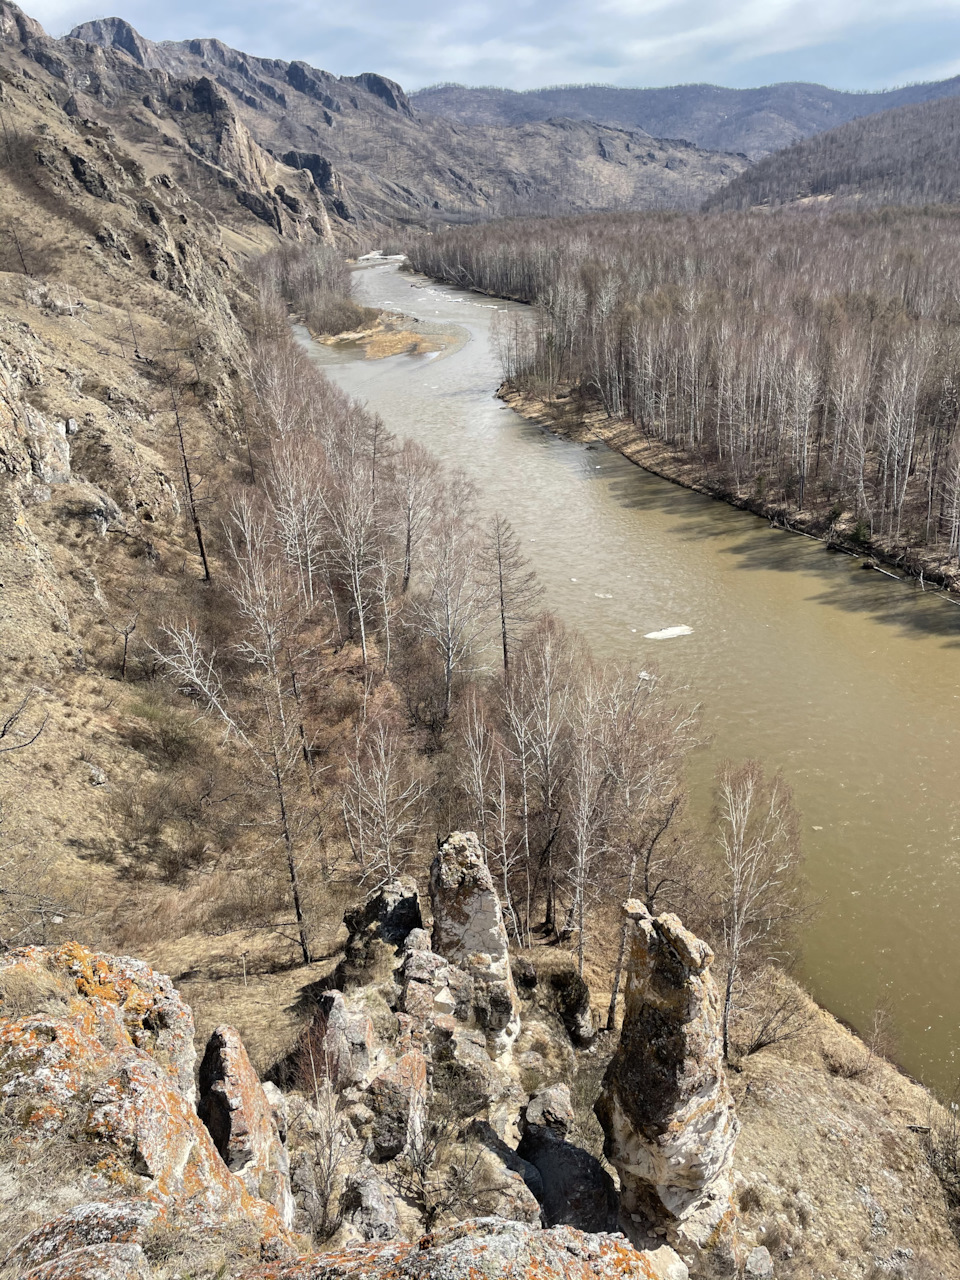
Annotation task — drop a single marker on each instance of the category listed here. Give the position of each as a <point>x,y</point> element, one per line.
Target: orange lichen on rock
<point>116,1061</point>
<point>481,1248</point>
<point>116,997</point>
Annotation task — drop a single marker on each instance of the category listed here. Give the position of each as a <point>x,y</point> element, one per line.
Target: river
<point>847,680</point>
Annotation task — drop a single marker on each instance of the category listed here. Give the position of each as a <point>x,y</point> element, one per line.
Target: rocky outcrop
<point>342,1041</point>
<point>488,1247</point>
<point>240,1119</point>
<point>99,1049</point>
<point>370,1206</point>
<point>378,928</point>
<point>665,1108</point>
<point>571,999</point>
<point>468,930</point>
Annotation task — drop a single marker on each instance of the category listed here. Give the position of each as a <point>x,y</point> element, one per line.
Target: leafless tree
<point>452,605</point>
<point>516,590</point>
<point>758,834</point>
<point>415,488</point>
<point>382,802</point>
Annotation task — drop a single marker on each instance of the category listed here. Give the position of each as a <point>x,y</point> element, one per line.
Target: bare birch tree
<point>759,838</point>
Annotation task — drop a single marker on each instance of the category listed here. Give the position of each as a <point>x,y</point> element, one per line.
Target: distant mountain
<point>752,121</point>
<point>377,161</point>
<point>910,155</point>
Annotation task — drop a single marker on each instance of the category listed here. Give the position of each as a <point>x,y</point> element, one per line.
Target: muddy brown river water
<point>848,680</point>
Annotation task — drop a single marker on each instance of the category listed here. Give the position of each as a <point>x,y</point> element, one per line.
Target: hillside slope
<point>904,156</point>
<point>377,160</point>
<point>752,121</point>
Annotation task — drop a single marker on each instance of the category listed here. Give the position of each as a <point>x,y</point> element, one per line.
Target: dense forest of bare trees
<point>906,156</point>
<point>808,361</point>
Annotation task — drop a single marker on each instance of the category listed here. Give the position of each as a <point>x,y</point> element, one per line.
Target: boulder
<point>240,1119</point>
<point>486,1247</point>
<point>153,1017</point>
<point>85,1226</point>
<point>94,1262</point>
<point>551,1109</point>
<point>665,1108</point>
<point>468,930</point>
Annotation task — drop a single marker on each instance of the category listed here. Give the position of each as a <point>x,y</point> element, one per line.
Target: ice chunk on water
<point>601,595</point>
<point>668,633</point>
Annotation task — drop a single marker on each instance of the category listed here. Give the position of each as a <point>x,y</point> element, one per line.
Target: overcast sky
<point>523,44</point>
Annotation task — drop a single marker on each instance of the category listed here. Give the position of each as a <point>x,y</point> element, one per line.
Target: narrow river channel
<point>846,679</point>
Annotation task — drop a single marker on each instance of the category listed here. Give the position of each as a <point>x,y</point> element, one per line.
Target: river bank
<point>574,418</point>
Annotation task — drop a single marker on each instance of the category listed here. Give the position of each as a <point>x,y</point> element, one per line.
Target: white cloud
<point>524,43</point>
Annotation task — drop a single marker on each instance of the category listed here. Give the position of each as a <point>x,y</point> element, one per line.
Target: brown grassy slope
<point>119,291</point>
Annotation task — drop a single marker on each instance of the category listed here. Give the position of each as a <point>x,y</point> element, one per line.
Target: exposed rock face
<point>345,1041</point>
<point>488,1247</point>
<point>370,1205</point>
<point>240,1119</point>
<point>378,928</point>
<point>102,1048</point>
<point>468,929</point>
<point>665,1108</point>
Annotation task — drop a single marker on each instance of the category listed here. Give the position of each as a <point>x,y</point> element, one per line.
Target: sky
<point>526,44</point>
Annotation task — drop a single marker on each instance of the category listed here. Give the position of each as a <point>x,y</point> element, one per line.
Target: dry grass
<point>24,992</point>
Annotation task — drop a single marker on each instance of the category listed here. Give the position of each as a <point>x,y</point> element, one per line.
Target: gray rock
<point>552,1109</point>
<point>344,1038</point>
<point>759,1263</point>
<point>370,1205</point>
<point>468,930</point>
<point>390,914</point>
<point>665,1108</point>
<point>417,940</point>
<point>492,1247</point>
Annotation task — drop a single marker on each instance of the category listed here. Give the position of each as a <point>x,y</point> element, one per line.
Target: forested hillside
<point>905,156</point>
<point>809,363</point>
<point>753,121</point>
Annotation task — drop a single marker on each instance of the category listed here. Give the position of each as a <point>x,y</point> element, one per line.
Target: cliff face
<point>187,124</point>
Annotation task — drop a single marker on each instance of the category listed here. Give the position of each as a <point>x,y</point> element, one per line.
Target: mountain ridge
<point>378,161</point>
<point>753,121</point>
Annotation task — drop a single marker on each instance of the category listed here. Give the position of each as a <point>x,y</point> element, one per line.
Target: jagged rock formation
<point>468,929</point>
<point>238,1114</point>
<point>100,1049</point>
<point>488,1247</point>
<point>111,94</point>
<point>666,1111</point>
